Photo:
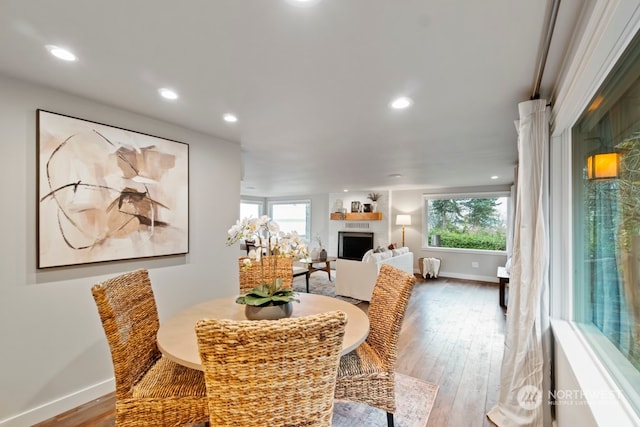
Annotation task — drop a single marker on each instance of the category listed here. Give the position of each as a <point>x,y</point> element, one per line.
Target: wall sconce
<point>403,220</point>
<point>603,166</point>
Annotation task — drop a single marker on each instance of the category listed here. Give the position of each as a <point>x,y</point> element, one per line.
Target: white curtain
<point>525,374</point>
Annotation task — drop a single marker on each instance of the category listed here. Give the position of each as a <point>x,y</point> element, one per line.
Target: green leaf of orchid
<point>283,294</point>
<point>256,301</point>
<point>284,298</point>
<point>262,291</point>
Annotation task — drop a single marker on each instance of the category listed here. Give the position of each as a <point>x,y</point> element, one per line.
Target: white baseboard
<point>491,279</point>
<point>58,406</point>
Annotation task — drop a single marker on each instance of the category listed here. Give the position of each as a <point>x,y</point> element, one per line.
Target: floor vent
<point>360,225</point>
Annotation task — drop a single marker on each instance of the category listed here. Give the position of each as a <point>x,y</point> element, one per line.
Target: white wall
<point>320,223</point>
<point>53,351</point>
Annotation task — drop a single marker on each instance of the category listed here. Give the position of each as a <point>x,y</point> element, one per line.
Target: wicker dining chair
<point>366,374</point>
<point>263,271</point>
<point>271,372</point>
<point>150,389</point>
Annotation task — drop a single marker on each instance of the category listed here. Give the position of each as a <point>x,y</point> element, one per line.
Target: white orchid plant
<point>268,240</point>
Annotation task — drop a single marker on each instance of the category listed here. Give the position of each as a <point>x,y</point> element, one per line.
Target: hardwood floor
<point>453,335</point>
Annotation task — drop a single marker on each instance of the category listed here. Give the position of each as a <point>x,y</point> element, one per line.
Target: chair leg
<point>389,419</point>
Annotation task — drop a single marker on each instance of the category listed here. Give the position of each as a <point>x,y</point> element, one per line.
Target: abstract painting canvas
<point>106,193</point>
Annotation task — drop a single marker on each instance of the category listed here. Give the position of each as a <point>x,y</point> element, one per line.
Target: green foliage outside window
<point>468,223</point>
<point>496,241</point>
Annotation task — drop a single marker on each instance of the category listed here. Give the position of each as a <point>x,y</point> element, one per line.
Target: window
<point>606,220</point>
<point>292,216</point>
<point>250,208</point>
<point>477,221</point>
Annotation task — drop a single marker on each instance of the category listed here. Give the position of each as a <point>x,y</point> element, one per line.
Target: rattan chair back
<point>129,315</point>
<point>387,308</point>
<point>265,271</point>
<point>150,389</point>
<point>367,374</point>
<point>271,372</point>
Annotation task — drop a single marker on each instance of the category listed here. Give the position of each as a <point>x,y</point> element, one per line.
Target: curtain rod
<point>542,59</point>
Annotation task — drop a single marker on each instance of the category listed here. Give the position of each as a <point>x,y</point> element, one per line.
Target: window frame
<point>306,202</point>
<point>577,366</point>
<point>462,195</point>
<point>259,203</point>
<point>620,370</point>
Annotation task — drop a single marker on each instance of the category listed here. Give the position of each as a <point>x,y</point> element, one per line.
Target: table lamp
<point>403,220</point>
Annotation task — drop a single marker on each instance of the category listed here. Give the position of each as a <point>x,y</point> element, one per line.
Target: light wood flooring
<point>453,336</point>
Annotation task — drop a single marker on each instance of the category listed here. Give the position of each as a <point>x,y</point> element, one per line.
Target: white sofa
<point>356,279</point>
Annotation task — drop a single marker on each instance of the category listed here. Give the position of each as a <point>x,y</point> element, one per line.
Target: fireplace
<point>354,244</point>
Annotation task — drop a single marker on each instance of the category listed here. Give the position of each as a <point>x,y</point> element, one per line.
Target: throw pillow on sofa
<point>367,255</point>
<point>400,251</point>
<point>375,258</point>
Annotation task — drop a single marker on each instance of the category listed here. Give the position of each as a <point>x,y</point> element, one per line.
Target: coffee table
<point>327,265</point>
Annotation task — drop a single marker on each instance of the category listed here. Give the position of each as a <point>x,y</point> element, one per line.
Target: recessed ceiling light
<point>346,190</point>
<point>168,93</point>
<point>61,53</point>
<point>401,103</point>
<point>230,118</point>
<point>494,177</point>
<point>302,3</point>
<point>395,175</point>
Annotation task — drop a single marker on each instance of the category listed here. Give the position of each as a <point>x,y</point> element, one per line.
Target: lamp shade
<point>603,166</point>
<point>403,220</point>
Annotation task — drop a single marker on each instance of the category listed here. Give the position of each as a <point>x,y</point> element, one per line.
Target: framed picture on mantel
<point>106,193</point>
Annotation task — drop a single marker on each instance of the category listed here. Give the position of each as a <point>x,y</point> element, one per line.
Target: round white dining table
<point>177,336</point>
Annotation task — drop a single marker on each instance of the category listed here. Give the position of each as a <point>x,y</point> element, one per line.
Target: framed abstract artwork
<point>106,193</point>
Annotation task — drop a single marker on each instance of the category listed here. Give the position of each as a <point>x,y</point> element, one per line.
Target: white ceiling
<point>310,85</point>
